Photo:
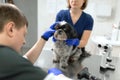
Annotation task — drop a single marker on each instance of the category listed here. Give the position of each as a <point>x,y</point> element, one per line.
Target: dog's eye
<point>57,27</point>
<point>65,28</point>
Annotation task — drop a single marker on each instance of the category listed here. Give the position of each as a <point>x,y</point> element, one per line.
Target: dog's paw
<point>85,54</point>
<point>71,60</point>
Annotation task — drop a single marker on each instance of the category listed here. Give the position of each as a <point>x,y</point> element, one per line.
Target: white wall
<point>117,16</point>
<point>102,25</point>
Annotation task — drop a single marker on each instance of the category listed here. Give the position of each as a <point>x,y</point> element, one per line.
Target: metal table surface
<point>92,62</point>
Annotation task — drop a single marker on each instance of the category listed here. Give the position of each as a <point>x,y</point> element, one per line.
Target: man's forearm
<point>35,51</point>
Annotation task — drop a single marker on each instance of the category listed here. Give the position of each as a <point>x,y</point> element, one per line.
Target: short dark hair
<point>9,12</point>
<point>83,6</point>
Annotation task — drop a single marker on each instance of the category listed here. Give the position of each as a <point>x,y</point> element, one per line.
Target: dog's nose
<point>60,32</point>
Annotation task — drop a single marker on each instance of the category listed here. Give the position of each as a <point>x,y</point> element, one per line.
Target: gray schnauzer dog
<point>63,53</point>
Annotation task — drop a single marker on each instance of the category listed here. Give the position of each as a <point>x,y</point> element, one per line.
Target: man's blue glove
<point>53,25</point>
<point>46,35</point>
<point>55,71</point>
<point>72,42</point>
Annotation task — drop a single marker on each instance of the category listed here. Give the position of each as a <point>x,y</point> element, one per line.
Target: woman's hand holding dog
<point>73,42</point>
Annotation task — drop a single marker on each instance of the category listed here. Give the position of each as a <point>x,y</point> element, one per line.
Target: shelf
<point>104,40</point>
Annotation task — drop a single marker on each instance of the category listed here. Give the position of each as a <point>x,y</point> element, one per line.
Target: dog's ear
<point>73,33</point>
<point>57,26</point>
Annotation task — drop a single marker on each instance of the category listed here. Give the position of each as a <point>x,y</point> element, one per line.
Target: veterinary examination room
<point>59,40</point>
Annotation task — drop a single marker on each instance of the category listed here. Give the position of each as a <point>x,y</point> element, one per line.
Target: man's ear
<point>10,26</point>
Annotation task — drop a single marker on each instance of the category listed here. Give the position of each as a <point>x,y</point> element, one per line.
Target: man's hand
<point>55,71</point>
<point>46,35</point>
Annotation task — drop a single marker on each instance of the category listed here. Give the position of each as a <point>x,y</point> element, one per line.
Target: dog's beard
<point>60,35</point>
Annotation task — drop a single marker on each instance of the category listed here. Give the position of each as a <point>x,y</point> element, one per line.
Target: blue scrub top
<point>85,22</point>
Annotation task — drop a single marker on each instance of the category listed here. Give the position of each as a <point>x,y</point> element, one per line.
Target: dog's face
<point>64,31</point>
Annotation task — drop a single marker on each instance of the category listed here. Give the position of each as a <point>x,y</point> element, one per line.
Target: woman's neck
<point>75,14</point>
<point>75,11</point>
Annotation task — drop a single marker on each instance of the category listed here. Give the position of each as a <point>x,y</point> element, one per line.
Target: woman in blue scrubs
<point>80,20</point>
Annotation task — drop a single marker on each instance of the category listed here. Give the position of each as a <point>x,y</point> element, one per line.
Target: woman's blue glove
<point>55,71</point>
<point>73,42</point>
<point>46,35</point>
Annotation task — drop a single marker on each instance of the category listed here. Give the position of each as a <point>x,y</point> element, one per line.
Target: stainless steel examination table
<point>92,62</point>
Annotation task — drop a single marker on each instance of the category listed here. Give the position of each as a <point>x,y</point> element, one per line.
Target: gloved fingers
<point>46,35</point>
<point>55,71</point>
<point>52,30</point>
<point>73,42</point>
<point>53,25</point>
